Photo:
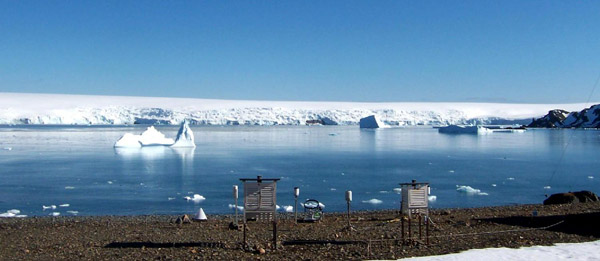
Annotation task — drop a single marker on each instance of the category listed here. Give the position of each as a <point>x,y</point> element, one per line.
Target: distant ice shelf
<point>23,108</point>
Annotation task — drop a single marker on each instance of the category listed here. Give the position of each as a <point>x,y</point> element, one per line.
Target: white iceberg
<point>464,129</point>
<point>49,207</point>
<point>153,137</point>
<point>432,198</point>
<point>185,137</point>
<point>64,205</point>
<point>371,122</point>
<point>55,214</point>
<point>288,209</point>
<point>470,191</point>
<point>197,198</point>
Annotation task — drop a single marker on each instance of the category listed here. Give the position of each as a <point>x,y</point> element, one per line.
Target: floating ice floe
<point>64,205</point>
<point>493,185</point>
<point>109,182</point>
<point>470,191</point>
<point>451,171</point>
<point>12,213</point>
<point>397,190</point>
<point>232,206</point>
<point>7,148</point>
<point>547,187</point>
<point>73,212</point>
<point>69,187</point>
<point>333,189</point>
<point>288,209</point>
<point>170,198</point>
<point>432,198</point>
<point>511,178</point>
<point>590,177</point>
<point>196,198</point>
<point>153,137</point>
<point>373,201</point>
<point>48,207</point>
<point>55,214</point>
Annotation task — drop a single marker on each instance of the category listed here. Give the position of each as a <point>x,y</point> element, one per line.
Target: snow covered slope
<point>587,118</point>
<point>22,108</point>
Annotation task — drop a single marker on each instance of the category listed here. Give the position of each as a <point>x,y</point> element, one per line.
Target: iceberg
<point>373,201</point>
<point>470,191</point>
<point>153,137</point>
<point>371,122</point>
<point>461,129</point>
<point>185,137</point>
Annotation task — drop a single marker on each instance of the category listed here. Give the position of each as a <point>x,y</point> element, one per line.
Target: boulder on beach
<point>571,197</point>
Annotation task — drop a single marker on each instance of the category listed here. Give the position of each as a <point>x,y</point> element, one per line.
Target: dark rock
<point>571,197</point>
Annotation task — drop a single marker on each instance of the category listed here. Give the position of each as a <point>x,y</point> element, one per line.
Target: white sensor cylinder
<point>349,195</point>
<point>235,191</point>
<point>296,191</point>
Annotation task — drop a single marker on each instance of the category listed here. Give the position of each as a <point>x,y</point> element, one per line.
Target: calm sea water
<point>79,166</point>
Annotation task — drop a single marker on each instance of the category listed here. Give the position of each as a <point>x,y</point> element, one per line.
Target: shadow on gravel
<point>163,245</point>
<point>587,224</point>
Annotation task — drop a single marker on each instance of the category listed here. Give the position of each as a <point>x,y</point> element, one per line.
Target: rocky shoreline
<point>376,235</point>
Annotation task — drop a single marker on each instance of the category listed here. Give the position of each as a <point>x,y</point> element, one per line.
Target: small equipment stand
<point>414,208</point>
<point>313,211</point>
<point>260,203</point>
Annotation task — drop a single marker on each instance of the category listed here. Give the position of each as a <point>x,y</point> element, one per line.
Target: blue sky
<point>474,51</point>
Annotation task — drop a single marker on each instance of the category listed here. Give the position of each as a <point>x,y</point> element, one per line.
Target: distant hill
<point>587,118</point>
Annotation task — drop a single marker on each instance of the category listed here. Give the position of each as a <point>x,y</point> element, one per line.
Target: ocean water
<point>54,165</point>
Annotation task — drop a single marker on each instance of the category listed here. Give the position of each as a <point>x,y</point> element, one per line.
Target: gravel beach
<point>376,235</point>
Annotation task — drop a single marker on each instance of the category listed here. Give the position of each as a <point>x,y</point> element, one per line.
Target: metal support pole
<point>235,196</point>
<point>420,230</point>
<point>296,194</point>
<point>409,232</point>
<point>427,230</point>
<point>349,225</point>
<point>402,224</point>
<point>245,242</point>
<point>275,234</point>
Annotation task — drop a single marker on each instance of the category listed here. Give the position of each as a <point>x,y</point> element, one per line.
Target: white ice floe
<point>373,201</point>
<point>493,185</point>
<point>464,129</point>
<point>288,209</point>
<point>232,206</point>
<point>451,171</point>
<point>384,191</point>
<point>64,205</point>
<point>561,251</point>
<point>397,190</point>
<point>7,148</point>
<point>333,189</point>
<point>590,177</point>
<point>547,187</point>
<point>69,187</point>
<point>511,178</point>
<point>73,212</point>
<point>170,198</point>
<point>432,198</point>
<point>109,182</point>
<point>470,191</point>
<point>12,213</point>
<point>49,207</point>
<point>197,198</point>
<point>55,214</point>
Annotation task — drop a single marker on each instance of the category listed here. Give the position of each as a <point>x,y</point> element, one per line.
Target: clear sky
<point>477,51</point>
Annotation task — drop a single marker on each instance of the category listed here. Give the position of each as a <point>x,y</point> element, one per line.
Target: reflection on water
<point>155,152</point>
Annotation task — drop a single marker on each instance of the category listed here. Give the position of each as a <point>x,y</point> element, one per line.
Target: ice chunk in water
<point>373,201</point>
<point>470,191</point>
<point>197,198</point>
